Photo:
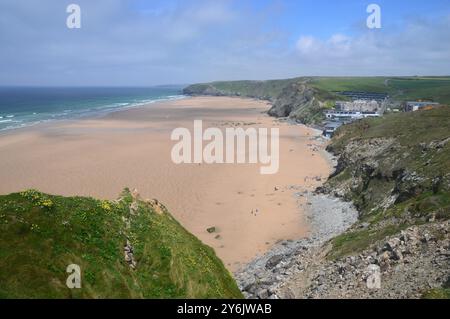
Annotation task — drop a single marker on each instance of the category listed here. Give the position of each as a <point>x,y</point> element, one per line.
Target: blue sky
<point>150,42</point>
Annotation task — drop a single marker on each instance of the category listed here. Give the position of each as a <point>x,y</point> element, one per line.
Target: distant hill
<point>305,98</point>
<point>268,90</point>
<point>129,248</point>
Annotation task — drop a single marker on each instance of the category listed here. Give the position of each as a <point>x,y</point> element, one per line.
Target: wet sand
<point>132,148</point>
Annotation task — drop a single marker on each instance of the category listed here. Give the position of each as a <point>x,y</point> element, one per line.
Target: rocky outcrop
<point>407,265</point>
<point>293,98</point>
<point>377,173</point>
<point>395,171</point>
<point>129,255</point>
<point>299,101</point>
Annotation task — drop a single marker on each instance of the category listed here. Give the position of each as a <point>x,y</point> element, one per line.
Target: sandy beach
<point>132,148</point>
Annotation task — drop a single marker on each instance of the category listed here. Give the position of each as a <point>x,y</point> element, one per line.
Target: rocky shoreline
<point>399,235</point>
<point>328,217</point>
<point>410,263</point>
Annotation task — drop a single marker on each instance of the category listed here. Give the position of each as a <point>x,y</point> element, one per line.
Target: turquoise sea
<point>25,106</point>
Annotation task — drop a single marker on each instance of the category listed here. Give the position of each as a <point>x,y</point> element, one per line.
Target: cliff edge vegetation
<point>128,248</point>
<point>396,170</point>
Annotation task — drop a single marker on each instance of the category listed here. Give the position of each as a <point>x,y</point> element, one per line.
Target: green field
<point>40,235</point>
<point>399,88</point>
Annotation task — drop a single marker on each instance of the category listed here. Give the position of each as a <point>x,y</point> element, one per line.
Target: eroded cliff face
<point>413,263</point>
<point>293,98</point>
<point>380,172</point>
<point>300,102</point>
<point>396,170</point>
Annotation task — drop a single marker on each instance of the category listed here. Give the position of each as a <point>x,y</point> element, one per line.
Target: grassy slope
<point>409,130</point>
<point>263,89</point>
<point>40,235</point>
<point>258,89</point>
<point>399,88</point>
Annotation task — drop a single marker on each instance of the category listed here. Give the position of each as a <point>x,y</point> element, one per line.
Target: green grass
<point>437,293</point>
<point>268,90</point>
<point>399,88</point>
<point>410,133</point>
<point>355,241</point>
<point>40,235</point>
<point>368,84</point>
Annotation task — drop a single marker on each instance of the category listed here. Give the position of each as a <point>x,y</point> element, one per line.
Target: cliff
<point>292,98</point>
<point>128,248</point>
<point>302,102</point>
<point>396,170</point>
<point>305,98</point>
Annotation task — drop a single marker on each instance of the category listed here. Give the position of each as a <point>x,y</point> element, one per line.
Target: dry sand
<point>99,157</point>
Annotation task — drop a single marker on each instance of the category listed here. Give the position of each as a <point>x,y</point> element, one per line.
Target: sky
<point>153,42</point>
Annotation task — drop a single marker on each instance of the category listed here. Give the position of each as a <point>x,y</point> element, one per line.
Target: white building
<point>350,114</point>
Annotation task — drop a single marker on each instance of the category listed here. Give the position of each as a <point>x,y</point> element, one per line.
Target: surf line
<point>228,148</point>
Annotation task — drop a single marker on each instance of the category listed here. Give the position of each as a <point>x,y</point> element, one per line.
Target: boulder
<point>274,261</point>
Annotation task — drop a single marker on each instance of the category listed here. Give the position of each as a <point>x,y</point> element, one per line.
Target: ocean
<point>25,106</point>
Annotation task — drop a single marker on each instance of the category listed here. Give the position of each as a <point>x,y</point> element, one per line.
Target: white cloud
<point>196,41</point>
<point>422,47</point>
<point>308,45</point>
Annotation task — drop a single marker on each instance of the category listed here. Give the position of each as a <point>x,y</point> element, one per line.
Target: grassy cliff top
<point>256,89</point>
<point>40,235</point>
<point>399,88</point>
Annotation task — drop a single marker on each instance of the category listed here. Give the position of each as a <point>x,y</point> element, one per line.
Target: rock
<point>134,208</point>
<point>128,255</point>
<point>297,101</point>
<point>274,261</point>
<point>397,255</point>
<point>250,288</point>
<point>211,230</point>
<point>385,256</point>
<point>386,247</point>
<point>263,294</point>
<point>364,225</point>
<point>135,194</point>
<point>426,238</point>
